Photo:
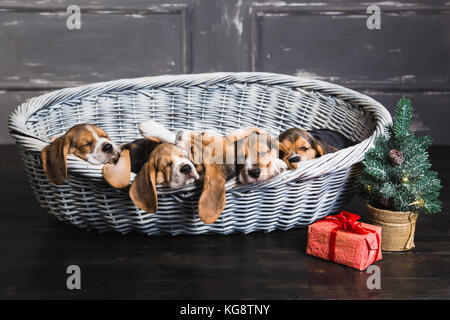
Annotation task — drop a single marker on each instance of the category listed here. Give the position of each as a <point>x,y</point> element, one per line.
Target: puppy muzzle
<point>184,173</point>
<point>294,159</point>
<point>189,171</point>
<point>105,153</point>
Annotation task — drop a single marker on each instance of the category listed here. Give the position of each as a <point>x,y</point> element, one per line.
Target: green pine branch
<point>408,185</point>
<point>403,119</point>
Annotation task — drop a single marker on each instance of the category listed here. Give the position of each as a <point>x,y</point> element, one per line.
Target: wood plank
<point>153,277</point>
<point>37,250</point>
<point>9,100</point>
<point>334,44</point>
<point>214,33</point>
<point>431,111</point>
<point>111,44</point>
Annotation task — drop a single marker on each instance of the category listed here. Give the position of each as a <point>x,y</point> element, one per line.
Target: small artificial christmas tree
<point>396,173</point>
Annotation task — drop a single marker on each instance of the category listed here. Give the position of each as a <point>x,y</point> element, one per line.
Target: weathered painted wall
<point>326,39</point>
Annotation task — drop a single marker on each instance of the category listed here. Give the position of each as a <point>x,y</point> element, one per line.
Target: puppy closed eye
<point>88,144</point>
<point>304,149</point>
<point>165,165</point>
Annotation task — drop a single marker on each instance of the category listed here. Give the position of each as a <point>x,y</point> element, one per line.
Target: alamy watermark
<point>374,20</point>
<point>374,280</point>
<point>73,21</point>
<point>74,280</point>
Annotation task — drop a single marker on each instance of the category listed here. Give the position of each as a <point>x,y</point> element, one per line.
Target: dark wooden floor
<point>35,250</point>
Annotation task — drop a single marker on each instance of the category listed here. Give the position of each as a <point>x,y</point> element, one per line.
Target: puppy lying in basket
<point>167,165</point>
<point>157,160</point>
<point>248,153</point>
<point>154,163</point>
<point>163,158</point>
<point>298,145</point>
<point>85,141</point>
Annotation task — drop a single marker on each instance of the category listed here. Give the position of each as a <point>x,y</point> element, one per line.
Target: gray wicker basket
<point>218,101</point>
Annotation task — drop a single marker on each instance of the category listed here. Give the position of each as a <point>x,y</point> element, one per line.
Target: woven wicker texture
<point>218,101</point>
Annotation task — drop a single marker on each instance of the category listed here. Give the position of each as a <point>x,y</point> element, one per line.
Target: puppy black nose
<point>254,173</point>
<point>108,148</point>
<point>294,159</point>
<point>185,169</point>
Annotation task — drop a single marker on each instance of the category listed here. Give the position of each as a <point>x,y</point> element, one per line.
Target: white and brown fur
<point>256,155</point>
<point>298,145</point>
<point>154,163</point>
<point>243,151</point>
<point>208,150</point>
<point>85,141</point>
<point>219,157</point>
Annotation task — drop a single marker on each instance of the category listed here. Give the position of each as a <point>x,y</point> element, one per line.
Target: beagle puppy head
<point>167,165</point>
<point>298,145</point>
<point>203,147</point>
<point>86,141</point>
<point>256,155</point>
<point>208,150</point>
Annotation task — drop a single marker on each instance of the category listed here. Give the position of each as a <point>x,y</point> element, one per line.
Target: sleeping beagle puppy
<point>298,145</point>
<point>249,153</point>
<point>256,155</point>
<point>154,163</point>
<point>251,149</point>
<point>208,151</point>
<point>86,141</point>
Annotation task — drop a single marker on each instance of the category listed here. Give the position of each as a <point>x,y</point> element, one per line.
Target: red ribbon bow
<point>347,221</point>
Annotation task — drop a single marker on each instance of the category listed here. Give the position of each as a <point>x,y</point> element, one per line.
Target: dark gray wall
<point>325,39</point>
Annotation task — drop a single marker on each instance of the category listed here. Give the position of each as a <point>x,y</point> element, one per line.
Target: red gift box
<point>343,240</point>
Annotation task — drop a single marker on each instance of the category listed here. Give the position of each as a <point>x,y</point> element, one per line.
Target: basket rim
<point>329,163</point>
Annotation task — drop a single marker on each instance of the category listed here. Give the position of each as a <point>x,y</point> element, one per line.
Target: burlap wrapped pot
<point>397,228</point>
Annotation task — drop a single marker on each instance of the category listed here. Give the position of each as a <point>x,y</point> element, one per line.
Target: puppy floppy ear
<point>284,148</point>
<point>274,145</point>
<point>212,200</point>
<point>143,189</point>
<point>118,174</point>
<point>322,148</point>
<point>54,159</point>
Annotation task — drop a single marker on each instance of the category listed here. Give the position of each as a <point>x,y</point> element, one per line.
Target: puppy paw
<point>118,174</point>
<point>153,129</point>
<point>280,166</point>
